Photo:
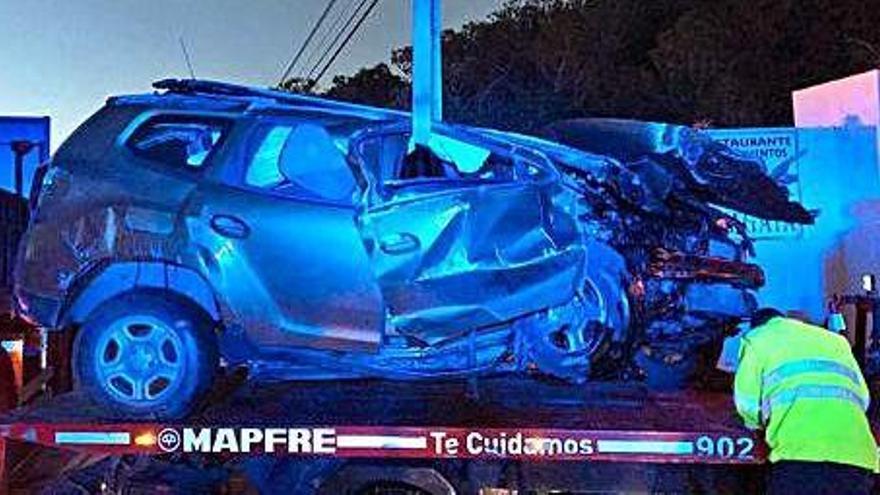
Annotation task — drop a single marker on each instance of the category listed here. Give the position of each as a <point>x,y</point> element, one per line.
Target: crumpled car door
<point>452,255</point>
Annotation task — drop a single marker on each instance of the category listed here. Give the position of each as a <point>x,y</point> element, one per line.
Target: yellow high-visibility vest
<point>801,384</point>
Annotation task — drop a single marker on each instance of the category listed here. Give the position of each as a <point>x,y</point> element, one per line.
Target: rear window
<point>93,141</point>
<point>178,141</point>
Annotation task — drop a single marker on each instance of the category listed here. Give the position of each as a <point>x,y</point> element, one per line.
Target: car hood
<point>699,166</point>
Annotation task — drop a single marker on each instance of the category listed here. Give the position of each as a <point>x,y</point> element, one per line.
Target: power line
<point>339,34</point>
<point>189,65</point>
<point>328,33</point>
<point>344,43</point>
<point>308,40</point>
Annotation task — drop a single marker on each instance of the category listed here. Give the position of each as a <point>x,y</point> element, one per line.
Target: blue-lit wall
<point>838,175</point>
<point>34,129</point>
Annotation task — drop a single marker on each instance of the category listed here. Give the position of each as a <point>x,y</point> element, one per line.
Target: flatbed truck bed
<point>624,425</point>
<point>499,402</point>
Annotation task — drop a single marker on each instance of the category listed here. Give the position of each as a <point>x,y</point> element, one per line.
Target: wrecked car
<point>311,239</point>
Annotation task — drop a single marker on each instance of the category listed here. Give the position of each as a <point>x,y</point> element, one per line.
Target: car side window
<point>402,168</point>
<point>447,159</point>
<point>300,160</point>
<point>178,141</point>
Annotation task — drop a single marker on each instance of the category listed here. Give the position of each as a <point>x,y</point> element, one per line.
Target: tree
<point>376,85</point>
<point>729,62</point>
<point>298,85</point>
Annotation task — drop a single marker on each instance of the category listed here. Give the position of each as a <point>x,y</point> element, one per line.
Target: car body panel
<point>118,277</point>
<point>88,215</point>
<point>299,276</point>
<point>478,256</point>
<point>455,254</point>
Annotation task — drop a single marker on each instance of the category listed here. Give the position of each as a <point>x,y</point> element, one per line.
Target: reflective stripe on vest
<point>790,395</point>
<point>787,370</point>
<point>749,405</point>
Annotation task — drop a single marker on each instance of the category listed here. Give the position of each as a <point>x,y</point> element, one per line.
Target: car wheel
<point>146,355</point>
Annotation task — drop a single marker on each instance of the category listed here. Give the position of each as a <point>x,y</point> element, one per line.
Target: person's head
<point>763,315</point>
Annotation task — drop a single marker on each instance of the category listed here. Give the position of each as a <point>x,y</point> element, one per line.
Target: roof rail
<point>217,88</point>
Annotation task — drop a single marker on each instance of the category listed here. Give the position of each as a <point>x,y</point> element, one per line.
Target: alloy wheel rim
<point>139,359</point>
<point>583,330</point>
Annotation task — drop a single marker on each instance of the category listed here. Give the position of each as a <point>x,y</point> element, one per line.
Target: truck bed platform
<point>501,402</point>
<point>377,419</point>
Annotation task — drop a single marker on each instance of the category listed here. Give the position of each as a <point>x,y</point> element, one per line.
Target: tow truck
<point>488,435</point>
<point>498,435</point>
<point>495,435</point>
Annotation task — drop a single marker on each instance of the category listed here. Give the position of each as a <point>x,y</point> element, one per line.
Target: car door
<point>463,251</point>
<point>278,241</point>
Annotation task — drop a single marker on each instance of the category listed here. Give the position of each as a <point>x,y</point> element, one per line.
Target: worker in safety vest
<point>802,386</point>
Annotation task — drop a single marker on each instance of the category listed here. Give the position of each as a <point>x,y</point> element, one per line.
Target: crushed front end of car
<point>667,198</point>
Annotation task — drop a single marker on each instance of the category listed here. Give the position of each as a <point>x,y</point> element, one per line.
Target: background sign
<point>778,149</point>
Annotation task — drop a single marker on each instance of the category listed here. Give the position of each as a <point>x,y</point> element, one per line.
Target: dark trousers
<point>818,478</point>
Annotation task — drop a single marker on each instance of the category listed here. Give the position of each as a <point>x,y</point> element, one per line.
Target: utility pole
<point>427,84</point>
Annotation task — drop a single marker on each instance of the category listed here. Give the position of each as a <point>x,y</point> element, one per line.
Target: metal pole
<point>437,60</point>
<point>20,149</point>
<point>19,173</point>
<point>427,84</point>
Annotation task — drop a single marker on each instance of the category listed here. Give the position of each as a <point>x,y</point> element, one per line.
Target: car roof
<point>200,94</point>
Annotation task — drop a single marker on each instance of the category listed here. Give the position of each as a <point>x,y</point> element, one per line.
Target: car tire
<point>146,355</point>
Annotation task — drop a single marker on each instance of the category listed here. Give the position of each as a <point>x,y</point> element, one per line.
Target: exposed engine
<point>664,199</point>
